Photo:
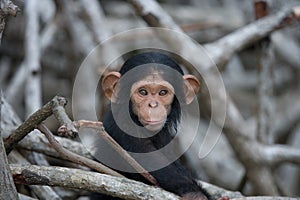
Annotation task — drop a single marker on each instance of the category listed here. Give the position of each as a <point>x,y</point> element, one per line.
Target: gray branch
<point>91,181</point>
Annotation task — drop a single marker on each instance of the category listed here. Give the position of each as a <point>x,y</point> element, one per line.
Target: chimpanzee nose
<point>153,104</point>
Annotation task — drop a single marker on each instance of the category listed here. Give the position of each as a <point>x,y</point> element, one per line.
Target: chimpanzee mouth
<point>154,122</point>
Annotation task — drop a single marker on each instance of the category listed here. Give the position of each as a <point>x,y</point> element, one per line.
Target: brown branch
<point>261,8</point>
<point>91,181</point>
<point>33,120</point>
<point>75,157</point>
<point>98,126</point>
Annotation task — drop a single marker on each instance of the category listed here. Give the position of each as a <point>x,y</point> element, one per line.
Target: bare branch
<point>276,154</point>
<point>221,50</point>
<point>102,32</point>
<point>6,8</point>
<point>27,126</point>
<point>265,93</point>
<point>60,113</point>
<point>33,90</point>
<point>8,188</point>
<point>91,181</point>
<point>98,126</point>
<point>74,157</point>
<point>265,198</point>
<point>16,84</point>
<point>265,81</point>
<point>42,192</point>
<point>37,142</point>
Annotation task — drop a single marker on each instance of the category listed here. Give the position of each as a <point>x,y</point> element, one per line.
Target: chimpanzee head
<point>155,86</point>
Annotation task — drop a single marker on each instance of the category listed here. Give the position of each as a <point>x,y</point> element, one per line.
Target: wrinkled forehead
<point>152,80</point>
<point>152,73</point>
<point>154,76</point>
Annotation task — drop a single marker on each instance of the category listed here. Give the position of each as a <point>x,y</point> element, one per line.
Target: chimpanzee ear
<point>191,87</point>
<point>109,83</point>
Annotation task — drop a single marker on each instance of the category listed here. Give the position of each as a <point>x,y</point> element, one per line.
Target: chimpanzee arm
<point>174,177</point>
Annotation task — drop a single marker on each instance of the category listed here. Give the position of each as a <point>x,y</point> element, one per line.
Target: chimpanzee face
<point>151,99</point>
<point>152,94</point>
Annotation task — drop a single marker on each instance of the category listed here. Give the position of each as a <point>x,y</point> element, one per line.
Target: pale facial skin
<point>152,98</point>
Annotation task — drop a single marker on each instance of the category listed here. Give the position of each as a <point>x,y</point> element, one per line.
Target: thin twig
<point>75,157</point>
<point>98,126</point>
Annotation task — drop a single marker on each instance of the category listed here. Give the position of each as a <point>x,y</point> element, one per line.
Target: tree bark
<point>7,188</point>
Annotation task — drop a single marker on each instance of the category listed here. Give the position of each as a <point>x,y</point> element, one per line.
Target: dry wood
<point>33,90</point>
<point>91,181</point>
<point>42,192</point>
<point>37,142</point>
<point>255,156</point>
<point>8,190</point>
<point>99,127</point>
<point>33,120</point>
<point>7,8</point>
<point>74,157</point>
<point>64,120</point>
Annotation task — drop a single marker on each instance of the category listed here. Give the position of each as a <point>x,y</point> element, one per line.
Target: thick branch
<point>42,192</point>
<point>276,154</point>
<point>91,181</point>
<point>221,50</point>
<point>33,90</point>
<point>7,186</point>
<point>8,190</point>
<point>35,119</point>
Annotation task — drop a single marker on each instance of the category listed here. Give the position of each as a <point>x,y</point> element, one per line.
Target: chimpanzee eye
<point>143,92</point>
<point>163,92</point>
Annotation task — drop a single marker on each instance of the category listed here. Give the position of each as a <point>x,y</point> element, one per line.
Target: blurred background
<point>62,33</point>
